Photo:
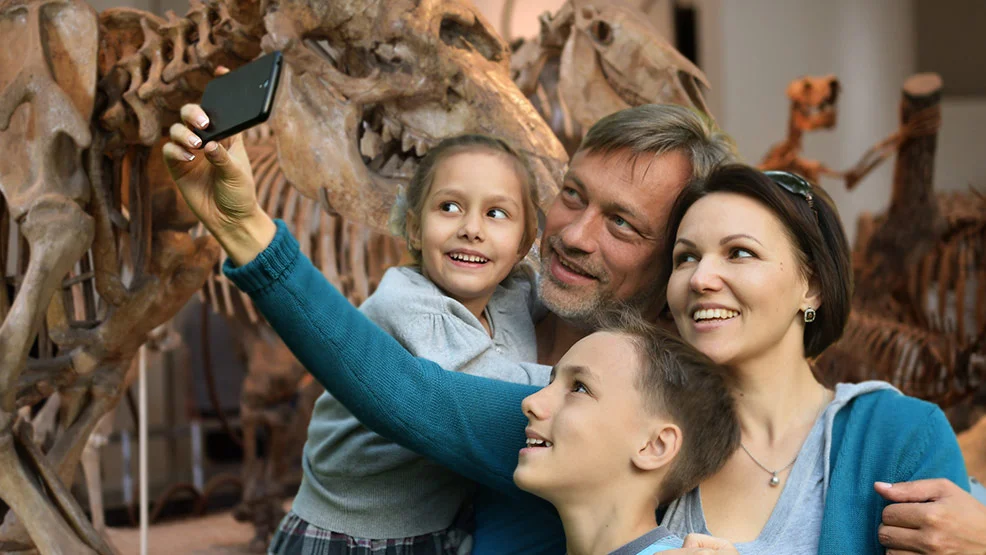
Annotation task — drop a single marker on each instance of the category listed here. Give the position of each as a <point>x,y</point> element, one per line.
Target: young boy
<point>632,418</point>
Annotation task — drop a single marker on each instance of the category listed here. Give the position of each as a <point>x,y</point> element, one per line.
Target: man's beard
<point>583,310</point>
<point>566,302</point>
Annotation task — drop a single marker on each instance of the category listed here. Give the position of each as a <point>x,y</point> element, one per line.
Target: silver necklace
<point>774,480</point>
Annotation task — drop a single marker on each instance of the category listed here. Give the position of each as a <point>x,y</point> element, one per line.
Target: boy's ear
<point>660,447</point>
<point>413,230</point>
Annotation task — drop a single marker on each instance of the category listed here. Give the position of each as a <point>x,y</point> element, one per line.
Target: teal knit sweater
<point>475,426</point>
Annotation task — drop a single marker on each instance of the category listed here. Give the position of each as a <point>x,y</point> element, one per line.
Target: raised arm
<point>469,424</point>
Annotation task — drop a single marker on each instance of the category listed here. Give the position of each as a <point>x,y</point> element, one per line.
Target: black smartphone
<point>240,99</point>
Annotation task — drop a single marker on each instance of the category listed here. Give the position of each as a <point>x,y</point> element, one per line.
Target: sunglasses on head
<point>794,183</point>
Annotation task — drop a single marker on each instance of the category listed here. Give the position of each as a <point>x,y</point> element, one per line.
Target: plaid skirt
<point>295,536</point>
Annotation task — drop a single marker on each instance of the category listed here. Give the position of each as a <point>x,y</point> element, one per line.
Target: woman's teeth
<point>714,314</point>
<point>468,258</point>
<point>531,442</point>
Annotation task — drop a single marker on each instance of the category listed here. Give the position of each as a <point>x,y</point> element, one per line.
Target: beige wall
<point>868,45</point>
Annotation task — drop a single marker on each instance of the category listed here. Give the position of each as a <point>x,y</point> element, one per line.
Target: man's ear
<point>413,230</point>
<point>660,447</point>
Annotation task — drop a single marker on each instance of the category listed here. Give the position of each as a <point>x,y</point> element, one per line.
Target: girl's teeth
<point>468,258</point>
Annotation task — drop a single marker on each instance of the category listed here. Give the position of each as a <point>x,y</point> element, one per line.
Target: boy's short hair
<point>678,382</point>
<point>412,200</point>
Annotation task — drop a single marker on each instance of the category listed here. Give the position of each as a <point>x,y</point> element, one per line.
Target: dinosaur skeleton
<point>590,60</point>
<point>813,107</point>
<point>919,310</point>
<point>106,254</point>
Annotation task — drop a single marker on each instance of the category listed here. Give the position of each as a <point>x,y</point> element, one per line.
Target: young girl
<point>469,218</point>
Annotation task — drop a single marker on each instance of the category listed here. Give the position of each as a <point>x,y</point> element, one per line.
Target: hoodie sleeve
<point>469,424</point>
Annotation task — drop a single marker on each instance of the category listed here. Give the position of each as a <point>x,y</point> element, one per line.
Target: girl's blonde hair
<point>412,200</point>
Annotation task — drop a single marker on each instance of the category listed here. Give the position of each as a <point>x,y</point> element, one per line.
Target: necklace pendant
<point>774,480</point>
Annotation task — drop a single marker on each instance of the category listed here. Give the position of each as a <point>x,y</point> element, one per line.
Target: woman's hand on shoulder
<point>701,544</point>
<point>933,517</point>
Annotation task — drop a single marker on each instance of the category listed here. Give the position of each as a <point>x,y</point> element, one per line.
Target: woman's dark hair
<point>813,227</point>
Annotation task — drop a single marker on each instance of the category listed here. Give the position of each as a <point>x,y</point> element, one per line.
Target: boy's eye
<point>449,207</point>
<point>579,387</point>
<point>496,213</point>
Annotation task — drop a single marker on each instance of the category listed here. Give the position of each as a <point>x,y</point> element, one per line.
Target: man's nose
<point>582,234</point>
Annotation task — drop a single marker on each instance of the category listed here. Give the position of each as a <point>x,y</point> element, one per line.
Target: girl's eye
<point>449,207</point>
<point>579,387</point>
<point>742,253</point>
<point>496,213</point>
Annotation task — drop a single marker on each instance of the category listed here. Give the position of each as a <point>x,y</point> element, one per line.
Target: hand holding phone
<point>241,98</point>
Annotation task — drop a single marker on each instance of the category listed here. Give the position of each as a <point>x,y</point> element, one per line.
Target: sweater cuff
<point>268,266</point>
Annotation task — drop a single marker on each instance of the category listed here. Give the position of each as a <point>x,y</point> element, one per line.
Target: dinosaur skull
<point>615,59</point>
<point>370,87</point>
<point>813,102</point>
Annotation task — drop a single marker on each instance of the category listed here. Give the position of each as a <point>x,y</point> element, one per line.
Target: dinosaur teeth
<point>408,168</point>
<point>391,129</point>
<point>407,142</point>
<point>390,168</point>
<point>371,145</point>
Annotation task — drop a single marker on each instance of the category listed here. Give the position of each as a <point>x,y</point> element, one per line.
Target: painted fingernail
<point>195,140</point>
<point>211,147</point>
<point>188,156</point>
<point>202,122</point>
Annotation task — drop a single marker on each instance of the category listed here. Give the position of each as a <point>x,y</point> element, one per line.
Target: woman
<point>471,425</point>
<point>760,281</point>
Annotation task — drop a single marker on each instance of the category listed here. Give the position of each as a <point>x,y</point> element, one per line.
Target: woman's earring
<point>809,315</point>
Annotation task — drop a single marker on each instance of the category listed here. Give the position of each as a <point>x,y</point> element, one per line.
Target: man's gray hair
<point>660,128</point>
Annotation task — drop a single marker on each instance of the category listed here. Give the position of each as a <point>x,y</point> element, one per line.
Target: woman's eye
<point>742,253</point>
<point>449,207</point>
<point>579,387</point>
<point>682,258</point>
<point>496,213</point>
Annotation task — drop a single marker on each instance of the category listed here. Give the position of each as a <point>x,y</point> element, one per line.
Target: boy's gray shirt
<point>356,482</point>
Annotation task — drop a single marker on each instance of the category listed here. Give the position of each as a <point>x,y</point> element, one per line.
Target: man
<point>603,233</point>
<point>602,244</point>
